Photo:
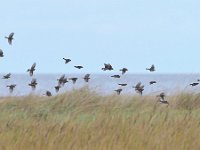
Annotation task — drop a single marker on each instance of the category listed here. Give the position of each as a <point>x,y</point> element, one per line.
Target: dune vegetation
<point>84,120</point>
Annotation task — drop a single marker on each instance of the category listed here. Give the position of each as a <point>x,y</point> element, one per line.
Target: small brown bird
<point>62,80</point>
<point>73,80</point>
<point>10,38</point>
<point>194,84</point>
<point>123,84</point>
<point>152,82</point>
<point>67,60</point>
<point>107,67</point>
<point>78,67</point>
<point>123,70</point>
<point>86,77</point>
<point>57,88</point>
<point>11,87</point>
<point>48,93</point>
<point>33,83</point>
<point>116,76</point>
<point>118,91</point>
<point>162,98</point>
<point>151,69</point>
<point>32,69</point>
<point>139,88</point>
<point>1,53</point>
<point>7,76</point>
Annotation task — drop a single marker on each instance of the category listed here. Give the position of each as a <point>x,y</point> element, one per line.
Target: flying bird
<point>139,88</point>
<point>32,69</point>
<point>33,83</point>
<point>151,69</point>
<point>118,91</point>
<point>107,67</point>
<point>48,93</point>
<point>10,38</point>
<point>194,84</point>
<point>78,67</point>
<point>123,84</point>
<point>7,76</point>
<point>116,76</point>
<point>62,80</point>
<point>73,80</point>
<point>152,82</point>
<point>86,77</point>
<point>67,60</point>
<point>11,87</point>
<point>1,53</point>
<point>123,70</point>
<point>57,88</point>
<point>162,98</point>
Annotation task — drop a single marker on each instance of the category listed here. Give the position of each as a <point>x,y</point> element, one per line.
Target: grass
<point>84,120</point>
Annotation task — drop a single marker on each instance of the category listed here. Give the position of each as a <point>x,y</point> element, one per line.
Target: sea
<point>102,83</point>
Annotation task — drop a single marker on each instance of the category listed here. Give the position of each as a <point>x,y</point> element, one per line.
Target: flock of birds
<point>139,88</point>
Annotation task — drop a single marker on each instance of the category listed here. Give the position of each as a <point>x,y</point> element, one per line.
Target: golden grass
<point>84,120</point>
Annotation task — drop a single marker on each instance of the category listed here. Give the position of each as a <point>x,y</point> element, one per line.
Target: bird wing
<point>1,52</point>
<point>33,66</point>
<point>11,35</point>
<point>138,85</point>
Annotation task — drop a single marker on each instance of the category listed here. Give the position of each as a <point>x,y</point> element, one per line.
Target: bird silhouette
<point>152,82</point>
<point>67,60</point>
<point>57,88</point>
<point>107,67</point>
<point>118,91</point>
<point>139,88</point>
<point>62,80</point>
<point>116,76</point>
<point>123,70</point>
<point>122,84</point>
<point>10,38</point>
<point>86,77</point>
<point>32,69</point>
<point>11,87</point>
<point>33,83</point>
<point>7,76</point>
<point>74,79</point>
<point>78,67</point>
<point>194,84</point>
<point>48,93</point>
<point>151,69</point>
<point>1,53</point>
<point>162,98</point>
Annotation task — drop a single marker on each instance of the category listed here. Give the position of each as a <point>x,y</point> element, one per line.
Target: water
<point>103,84</point>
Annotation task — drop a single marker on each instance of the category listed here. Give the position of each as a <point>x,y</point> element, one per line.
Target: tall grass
<point>84,120</point>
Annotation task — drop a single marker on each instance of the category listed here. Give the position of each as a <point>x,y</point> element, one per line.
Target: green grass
<point>84,120</point>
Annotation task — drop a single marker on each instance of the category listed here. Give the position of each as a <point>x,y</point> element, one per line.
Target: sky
<point>125,33</point>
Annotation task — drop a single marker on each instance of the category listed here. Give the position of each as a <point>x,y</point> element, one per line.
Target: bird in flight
<point>7,76</point>
<point>118,91</point>
<point>10,38</point>
<point>32,69</point>
<point>57,88</point>
<point>73,80</point>
<point>162,98</point>
<point>152,82</point>
<point>62,80</point>
<point>115,76</point>
<point>122,84</point>
<point>67,60</point>
<point>86,77</point>
<point>151,69</point>
<point>123,70</point>
<point>11,87</point>
<point>48,93</point>
<point>78,67</point>
<point>1,53</point>
<point>194,84</point>
<point>139,88</point>
<point>107,67</point>
<point>33,83</point>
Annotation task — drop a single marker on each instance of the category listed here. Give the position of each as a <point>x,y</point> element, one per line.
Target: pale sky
<point>125,33</point>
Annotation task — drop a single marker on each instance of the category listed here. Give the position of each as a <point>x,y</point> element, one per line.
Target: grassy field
<point>84,120</point>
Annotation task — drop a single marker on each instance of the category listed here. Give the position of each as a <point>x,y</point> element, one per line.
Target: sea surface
<point>102,83</point>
